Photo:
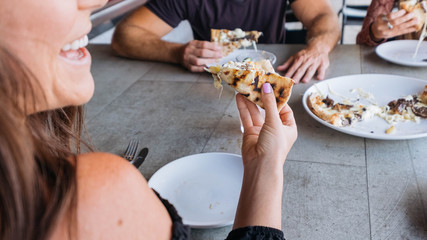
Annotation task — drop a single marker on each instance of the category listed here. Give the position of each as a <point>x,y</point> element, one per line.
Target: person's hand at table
<point>393,24</point>
<point>197,54</point>
<point>305,64</point>
<point>267,140</point>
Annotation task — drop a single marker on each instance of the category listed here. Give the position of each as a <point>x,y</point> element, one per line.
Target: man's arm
<point>323,34</point>
<point>139,36</point>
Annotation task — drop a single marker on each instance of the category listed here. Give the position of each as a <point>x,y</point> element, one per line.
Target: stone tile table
<point>337,186</point>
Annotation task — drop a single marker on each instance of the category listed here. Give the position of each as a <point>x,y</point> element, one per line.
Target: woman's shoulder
<point>95,165</point>
<point>115,202</point>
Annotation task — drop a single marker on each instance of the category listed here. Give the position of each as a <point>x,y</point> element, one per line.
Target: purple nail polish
<point>266,87</point>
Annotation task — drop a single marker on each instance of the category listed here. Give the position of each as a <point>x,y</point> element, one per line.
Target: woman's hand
<point>265,147</point>
<point>270,140</point>
<point>393,24</point>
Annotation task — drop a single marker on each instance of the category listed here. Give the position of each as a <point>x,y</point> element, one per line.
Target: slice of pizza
<point>419,8</point>
<point>248,77</point>
<point>339,114</point>
<point>230,40</point>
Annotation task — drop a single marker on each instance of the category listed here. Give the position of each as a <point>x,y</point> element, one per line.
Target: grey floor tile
<point>347,58</point>
<point>324,201</point>
<point>161,119</point>
<point>112,76</point>
<point>227,137</point>
<point>396,208</point>
<point>418,150</point>
<point>170,72</point>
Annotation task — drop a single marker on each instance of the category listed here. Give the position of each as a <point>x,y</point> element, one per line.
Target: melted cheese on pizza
<point>247,66</point>
<point>248,77</point>
<point>402,110</point>
<point>410,108</point>
<point>340,114</point>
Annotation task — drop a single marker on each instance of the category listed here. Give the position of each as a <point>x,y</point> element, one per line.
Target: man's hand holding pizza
<point>196,54</point>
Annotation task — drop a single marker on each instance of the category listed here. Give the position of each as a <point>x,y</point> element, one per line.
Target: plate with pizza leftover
<point>204,188</point>
<point>376,106</point>
<point>402,52</point>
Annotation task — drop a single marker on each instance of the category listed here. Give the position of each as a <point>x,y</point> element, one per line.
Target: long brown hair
<point>37,165</point>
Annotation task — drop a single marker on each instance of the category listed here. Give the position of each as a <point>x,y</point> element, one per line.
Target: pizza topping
<point>248,77</point>
<point>238,35</point>
<point>391,118</point>
<point>391,130</point>
<point>420,111</point>
<point>348,112</point>
<point>399,105</point>
<point>329,102</point>
<point>365,95</point>
<point>229,40</point>
<point>409,108</point>
<point>339,114</point>
<point>340,107</point>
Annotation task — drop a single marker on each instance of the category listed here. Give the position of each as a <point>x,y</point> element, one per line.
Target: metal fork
<point>130,151</point>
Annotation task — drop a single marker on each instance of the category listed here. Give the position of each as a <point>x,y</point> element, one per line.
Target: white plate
<point>240,54</point>
<point>204,188</point>
<point>401,52</point>
<point>384,88</point>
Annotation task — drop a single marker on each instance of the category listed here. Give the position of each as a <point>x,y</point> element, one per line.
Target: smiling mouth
<point>76,49</point>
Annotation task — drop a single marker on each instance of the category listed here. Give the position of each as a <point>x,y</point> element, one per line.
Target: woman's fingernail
<point>266,87</point>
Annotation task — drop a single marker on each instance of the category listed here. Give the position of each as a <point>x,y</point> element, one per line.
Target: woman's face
<point>49,37</point>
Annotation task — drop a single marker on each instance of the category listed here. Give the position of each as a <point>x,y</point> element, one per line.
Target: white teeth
<point>66,47</point>
<point>86,40</point>
<point>76,44</point>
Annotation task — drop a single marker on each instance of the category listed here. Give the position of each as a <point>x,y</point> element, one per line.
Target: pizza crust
<point>340,114</point>
<point>318,107</point>
<point>423,97</point>
<point>410,108</point>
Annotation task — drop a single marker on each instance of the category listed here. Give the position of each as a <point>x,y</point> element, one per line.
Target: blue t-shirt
<point>267,16</point>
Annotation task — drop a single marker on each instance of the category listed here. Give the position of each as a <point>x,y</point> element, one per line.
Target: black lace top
<point>183,232</point>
